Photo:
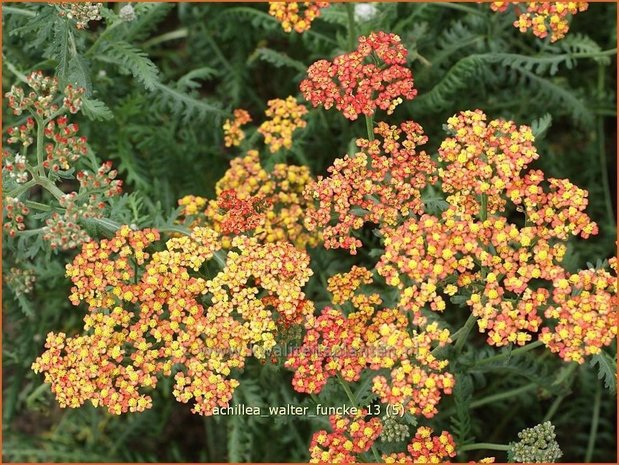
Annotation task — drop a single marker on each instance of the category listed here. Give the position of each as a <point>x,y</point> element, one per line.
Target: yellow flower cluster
<point>152,315</point>
<point>285,117</point>
<point>281,189</point>
<point>233,134</point>
<point>543,17</point>
<point>296,15</point>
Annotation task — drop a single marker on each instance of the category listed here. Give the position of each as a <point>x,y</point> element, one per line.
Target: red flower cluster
<point>269,204</point>
<point>331,346</point>
<point>241,215</point>
<point>350,437</point>
<point>373,76</point>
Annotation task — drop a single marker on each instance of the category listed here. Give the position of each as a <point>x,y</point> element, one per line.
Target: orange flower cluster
<point>426,448</point>
<point>233,134</point>
<point>469,248</point>
<point>296,15</point>
<point>584,309</point>
<point>278,194</point>
<point>543,17</point>
<point>373,76</point>
<point>350,437</point>
<point>285,117</point>
<point>380,184</point>
<point>151,316</point>
<point>375,339</point>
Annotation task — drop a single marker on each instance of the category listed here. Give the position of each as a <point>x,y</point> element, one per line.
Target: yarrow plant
<point>543,18</point>
<point>41,152</point>
<point>392,280</point>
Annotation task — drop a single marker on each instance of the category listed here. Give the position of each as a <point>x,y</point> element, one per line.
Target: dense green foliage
<point>158,90</point>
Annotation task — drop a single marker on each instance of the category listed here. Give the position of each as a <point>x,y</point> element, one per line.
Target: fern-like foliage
<point>134,60</point>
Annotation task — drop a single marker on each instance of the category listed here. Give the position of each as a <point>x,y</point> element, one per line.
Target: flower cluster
<point>357,83</point>
<point>336,344</point>
<point>149,316</point>
<point>270,204</point>
<point>81,13</point>
<point>285,117</point>
<point>380,184</point>
<point>66,147</point>
<point>16,212</point>
<point>296,15</point>
<point>63,149</point>
<point>584,311</point>
<point>425,448</point>
<point>543,17</point>
<point>233,134</point>
<point>41,100</point>
<point>393,429</point>
<point>468,247</point>
<point>349,438</point>
<point>537,445</point>
<point>20,279</point>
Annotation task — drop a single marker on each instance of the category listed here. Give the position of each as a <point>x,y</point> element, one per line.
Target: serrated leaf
<point>541,125</point>
<point>136,61</point>
<point>607,370</point>
<point>96,110</point>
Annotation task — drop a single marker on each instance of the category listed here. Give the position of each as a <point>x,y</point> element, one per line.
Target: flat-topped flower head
<point>372,77</point>
<point>543,18</point>
<point>150,312</point>
<point>297,16</point>
<point>350,437</point>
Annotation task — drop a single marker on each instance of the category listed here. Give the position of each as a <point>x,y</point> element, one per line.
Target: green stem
<point>172,35</point>
<point>457,6</point>
<point>18,11</point>
<point>483,213</point>
<point>351,398</point>
<point>503,395</point>
<point>519,351</point>
<point>352,33</point>
<point>37,205</point>
<point>484,446</point>
<point>21,76</point>
<point>21,189</point>
<point>369,125</point>
<point>554,407</point>
<point>602,151</point>
<point>595,421</point>
<point>40,145</point>
<point>51,188</point>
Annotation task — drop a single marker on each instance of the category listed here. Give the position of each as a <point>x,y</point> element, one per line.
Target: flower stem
<point>595,421</point>
<point>484,445</point>
<point>352,32</point>
<point>602,151</point>
<point>369,125</point>
<point>351,398</point>
<point>519,351</point>
<point>503,395</point>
